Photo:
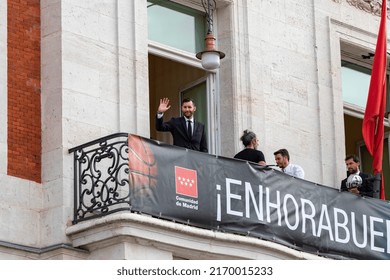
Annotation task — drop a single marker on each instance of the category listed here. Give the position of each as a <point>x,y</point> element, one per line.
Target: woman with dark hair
<point>250,153</point>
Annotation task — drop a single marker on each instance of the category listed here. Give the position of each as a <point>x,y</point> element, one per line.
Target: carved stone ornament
<point>370,6</point>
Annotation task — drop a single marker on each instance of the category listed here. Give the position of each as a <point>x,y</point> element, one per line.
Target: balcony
<point>186,204</point>
<point>101,177</point>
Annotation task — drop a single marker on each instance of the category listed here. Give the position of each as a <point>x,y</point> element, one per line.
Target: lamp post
<point>210,57</point>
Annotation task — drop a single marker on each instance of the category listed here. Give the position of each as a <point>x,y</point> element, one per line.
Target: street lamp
<point>210,57</point>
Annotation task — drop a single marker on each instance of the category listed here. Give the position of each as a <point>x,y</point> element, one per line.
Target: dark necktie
<point>189,129</point>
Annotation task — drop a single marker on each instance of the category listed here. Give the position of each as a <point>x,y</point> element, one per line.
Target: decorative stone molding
<point>370,6</point>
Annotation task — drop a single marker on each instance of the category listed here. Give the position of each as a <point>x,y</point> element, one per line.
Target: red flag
<point>373,129</point>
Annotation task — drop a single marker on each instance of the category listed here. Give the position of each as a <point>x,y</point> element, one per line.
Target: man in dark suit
<point>356,182</point>
<point>186,132</point>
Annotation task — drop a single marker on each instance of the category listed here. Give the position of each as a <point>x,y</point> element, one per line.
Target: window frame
<point>176,54</point>
<point>207,99</point>
<point>211,78</point>
<point>357,111</point>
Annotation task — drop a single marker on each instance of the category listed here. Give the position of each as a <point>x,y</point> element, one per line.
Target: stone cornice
<point>180,239</point>
<point>370,6</point>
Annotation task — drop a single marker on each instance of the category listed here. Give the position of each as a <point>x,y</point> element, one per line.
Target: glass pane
<point>176,25</point>
<point>366,160</point>
<point>198,94</point>
<point>355,83</point>
<point>366,164</point>
<point>386,168</point>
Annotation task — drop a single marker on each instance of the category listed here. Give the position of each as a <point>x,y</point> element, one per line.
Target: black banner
<point>235,196</point>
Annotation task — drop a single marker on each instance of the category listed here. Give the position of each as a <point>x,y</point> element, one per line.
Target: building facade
<point>74,71</point>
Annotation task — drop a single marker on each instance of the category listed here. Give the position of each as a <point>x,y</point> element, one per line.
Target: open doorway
<point>174,80</point>
<point>354,144</point>
<point>356,67</point>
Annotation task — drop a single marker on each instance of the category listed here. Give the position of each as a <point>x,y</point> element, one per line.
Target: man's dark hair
<point>283,152</point>
<point>355,158</point>
<point>185,100</point>
<point>247,137</point>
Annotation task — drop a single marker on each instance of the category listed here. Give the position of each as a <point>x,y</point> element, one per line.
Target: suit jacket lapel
<point>195,128</point>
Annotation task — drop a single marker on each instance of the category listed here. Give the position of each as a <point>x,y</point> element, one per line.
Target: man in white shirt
<point>282,159</point>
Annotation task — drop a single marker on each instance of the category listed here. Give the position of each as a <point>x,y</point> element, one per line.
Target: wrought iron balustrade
<point>101,177</point>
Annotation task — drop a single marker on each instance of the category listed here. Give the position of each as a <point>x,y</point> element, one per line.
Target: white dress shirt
<point>294,170</point>
<point>192,124</point>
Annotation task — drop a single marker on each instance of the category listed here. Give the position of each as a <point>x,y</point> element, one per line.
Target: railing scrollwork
<point>101,177</point>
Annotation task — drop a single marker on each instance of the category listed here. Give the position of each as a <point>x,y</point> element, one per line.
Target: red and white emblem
<point>186,182</point>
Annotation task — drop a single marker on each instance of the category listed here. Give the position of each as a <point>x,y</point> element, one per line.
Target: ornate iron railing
<point>101,172</point>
